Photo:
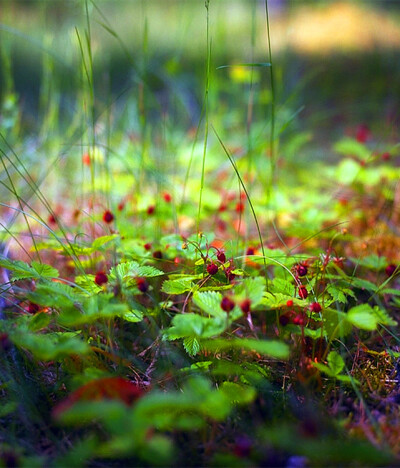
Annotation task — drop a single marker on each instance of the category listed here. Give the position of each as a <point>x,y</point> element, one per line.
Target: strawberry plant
<point>221,286</point>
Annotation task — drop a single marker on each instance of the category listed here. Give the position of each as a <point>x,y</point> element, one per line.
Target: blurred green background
<point>340,60</point>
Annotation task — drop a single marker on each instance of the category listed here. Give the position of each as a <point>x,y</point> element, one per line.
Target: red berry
<point>147,246</point>
<point>385,156</point>
<point>390,269</point>
<point>121,206</point>
<point>239,208</point>
<point>157,254</point>
<point>52,219</point>
<point>167,197</point>
<point>298,320</point>
<point>108,217</point>
<point>250,251</point>
<point>142,285</point>
<point>363,133</point>
<point>86,159</point>
<point>33,308</point>
<point>221,257</point>
<point>302,270</point>
<point>284,320</point>
<point>315,307</point>
<point>289,303</point>
<point>227,304</point>
<point>222,207</point>
<point>245,306</point>
<point>303,293</point>
<point>100,278</point>
<point>151,209</point>
<point>212,269</point>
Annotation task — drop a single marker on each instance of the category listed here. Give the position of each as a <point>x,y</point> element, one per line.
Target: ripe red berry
<point>167,197</point>
<point>239,208</point>
<point>363,133</point>
<point>121,206</point>
<point>299,320</point>
<point>303,293</point>
<point>86,159</point>
<point>284,320</point>
<point>390,269</point>
<point>315,307</point>
<point>212,269</point>
<point>157,254</point>
<point>302,270</point>
<point>100,278</point>
<point>142,285</point>
<point>33,308</point>
<point>108,217</point>
<point>151,209</point>
<point>289,303</point>
<point>250,251</point>
<point>245,306</point>
<point>221,257</point>
<point>52,219</point>
<point>147,246</point>
<point>385,156</point>
<point>227,304</point>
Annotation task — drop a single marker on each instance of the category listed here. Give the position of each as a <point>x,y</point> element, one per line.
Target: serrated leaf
<point>21,270</point>
<point>101,241</point>
<point>191,345</point>
<point>362,316</point>
<point>373,262</point>
<point>209,302</point>
<point>185,325</point>
<point>251,288</point>
<point>176,286</point>
<point>133,316</point>
<point>383,317</point>
<point>132,269</point>
<point>363,284</point>
<point>335,362</point>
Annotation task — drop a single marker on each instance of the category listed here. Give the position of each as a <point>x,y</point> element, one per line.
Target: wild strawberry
<point>385,156</point>
<point>221,256</point>
<point>121,206</point>
<point>284,320</point>
<point>303,293</point>
<point>151,209</point>
<point>33,308</point>
<point>227,304</point>
<point>299,320</point>
<point>108,217</point>
<point>167,197</point>
<point>390,269</point>
<point>222,207</point>
<point>100,278</point>
<point>147,246</point>
<point>142,285</point>
<point>239,208</point>
<point>315,307</point>
<point>86,159</point>
<point>301,270</point>
<point>157,254</point>
<point>289,303</point>
<point>52,219</point>
<point>363,133</point>
<point>212,269</point>
<point>250,251</point>
<point>245,306</point>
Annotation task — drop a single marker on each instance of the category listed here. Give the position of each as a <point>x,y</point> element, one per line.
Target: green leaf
<point>383,317</point>
<point>132,269</point>
<point>273,348</point>
<point>238,393</point>
<point>101,241</point>
<point>251,288</point>
<point>335,323</point>
<point>187,325</point>
<point>22,270</point>
<point>133,316</point>
<point>335,362</point>
<point>363,316</point>
<point>351,147</point>
<point>373,262</point>
<point>39,321</point>
<point>191,345</point>
<point>177,286</point>
<point>209,302</point>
